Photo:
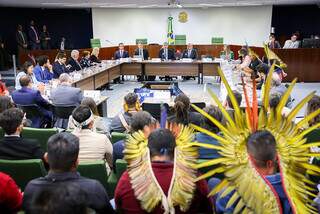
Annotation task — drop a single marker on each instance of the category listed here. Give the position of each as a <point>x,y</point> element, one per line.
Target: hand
<point>25,45</point>
<point>50,67</point>
<point>41,87</point>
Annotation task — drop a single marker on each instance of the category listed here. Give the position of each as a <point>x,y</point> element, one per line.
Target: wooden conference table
<point>97,76</point>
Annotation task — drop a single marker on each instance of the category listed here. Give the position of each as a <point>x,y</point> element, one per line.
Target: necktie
<point>35,33</point>
<point>120,54</point>
<point>141,53</point>
<point>189,53</point>
<point>166,53</point>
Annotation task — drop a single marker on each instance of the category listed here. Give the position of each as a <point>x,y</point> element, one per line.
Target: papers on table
<point>94,94</point>
<point>156,60</point>
<point>186,60</point>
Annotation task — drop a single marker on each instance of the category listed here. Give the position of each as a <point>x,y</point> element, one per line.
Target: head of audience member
<point>274,100</point>
<point>25,81</point>
<point>238,97</point>
<point>121,46</point>
<point>263,68</point>
<point>313,105</point>
<point>89,102</point>
<point>19,27</point>
<point>243,52</point>
<point>131,103</point>
<point>75,54</point>
<point>83,117</point>
<point>214,112</point>
<point>28,67</point>
<point>65,79</point>
<point>86,54</point>
<point>5,103</point>
<point>32,23</point>
<point>261,147</point>
<point>181,108</point>
<point>62,58</point>
<point>95,51</point>
<point>63,151</point>
<point>272,38</point>
<point>62,199</point>
<point>44,28</point>
<point>190,46</point>
<point>165,45</point>
<point>276,81</point>
<point>43,61</point>
<point>142,121</point>
<point>161,144</point>
<point>140,45</point>
<point>294,37</point>
<point>11,121</point>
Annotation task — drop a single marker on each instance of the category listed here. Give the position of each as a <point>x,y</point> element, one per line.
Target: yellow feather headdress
<point>252,192</point>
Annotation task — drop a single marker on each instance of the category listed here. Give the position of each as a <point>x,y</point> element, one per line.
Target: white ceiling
<point>147,3</point>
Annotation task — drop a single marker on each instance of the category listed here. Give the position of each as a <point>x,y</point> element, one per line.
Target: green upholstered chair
<point>313,136</point>
<point>95,43</point>
<point>42,135</point>
<point>217,40</point>
<point>142,40</point>
<point>180,40</point>
<point>121,166</point>
<point>95,170</point>
<point>23,171</point>
<point>112,184</point>
<point>116,136</point>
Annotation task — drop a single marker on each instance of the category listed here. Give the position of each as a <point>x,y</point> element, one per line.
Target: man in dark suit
<point>13,146</point>
<point>165,53</point>
<point>144,54</point>
<point>73,64</point>
<point>59,66</point>
<point>190,53</point>
<point>22,41</point>
<point>28,96</point>
<point>34,38</point>
<point>121,53</point>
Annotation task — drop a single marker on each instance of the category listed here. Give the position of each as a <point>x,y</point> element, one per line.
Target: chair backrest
<point>23,171</point>
<point>32,111</point>
<point>63,112</point>
<point>313,136</point>
<point>95,43</point>
<point>154,109</point>
<point>116,136</point>
<point>217,40</point>
<point>95,170</point>
<point>180,40</point>
<point>121,166</point>
<point>201,105</point>
<point>42,135</point>
<point>144,41</point>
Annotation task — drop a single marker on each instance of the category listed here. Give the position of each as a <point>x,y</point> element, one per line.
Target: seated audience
<point>141,121</point>
<point>65,94</point>
<point>273,43</point>
<point>122,122</point>
<point>261,146</point>
<point>10,195</point>
<point>292,43</point>
<point>59,66</point>
<point>95,55</point>
<point>205,153</point>
<point>93,146</point>
<point>28,70</point>
<point>227,53</point>
<point>43,71</point>
<point>5,103</point>
<point>121,53</point>
<point>99,124</point>
<point>228,104</point>
<point>64,199</point>
<point>277,87</point>
<point>182,113</point>
<point>274,100</point>
<point>12,145</point>
<point>73,64</point>
<point>28,96</point>
<point>161,144</point>
<point>85,60</point>
<point>62,156</point>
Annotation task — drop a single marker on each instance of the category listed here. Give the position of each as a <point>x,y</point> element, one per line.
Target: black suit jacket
<point>93,58</point>
<point>20,40</point>
<point>17,148</point>
<point>59,69</point>
<point>193,55</point>
<point>170,54</point>
<point>74,65</point>
<point>145,53</point>
<point>124,55</point>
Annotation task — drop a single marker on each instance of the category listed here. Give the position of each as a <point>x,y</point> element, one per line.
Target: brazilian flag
<point>170,35</point>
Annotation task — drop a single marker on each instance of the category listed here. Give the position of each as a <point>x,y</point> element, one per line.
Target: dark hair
<point>131,99</point>
<point>140,120</point>
<point>89,102</point>
<point>60,199</point>
<point>274,100</point>
<point>63,151</point>
<point>85,53</point>
<point>238,97</point>
<point>121,43</point>
<point>181,108</point>
<point>261,145</point>
<point>263,68</point>
<point>161,142</point>
<point>214,112</point>
<point>314,105</point>
<point>81,114</point>
<point>243,52</point>
<point>42,60</point>
<point>5,103</point>
<point>272,35</point>
<point>24,80</point>
<point>11,119</point>
<point>60,56</point>
<point>26,65</point>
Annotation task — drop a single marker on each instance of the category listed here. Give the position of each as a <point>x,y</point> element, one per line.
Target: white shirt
<point>290,44</point>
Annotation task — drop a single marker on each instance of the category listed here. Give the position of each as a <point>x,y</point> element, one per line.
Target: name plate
<point>156,60</point>
<point>186,60</point>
